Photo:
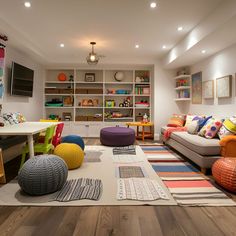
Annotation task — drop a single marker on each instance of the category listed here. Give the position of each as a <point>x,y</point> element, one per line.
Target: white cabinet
<point>83,130</point>
<point>94,130</point>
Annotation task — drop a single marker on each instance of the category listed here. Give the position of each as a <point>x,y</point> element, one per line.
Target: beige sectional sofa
<point>204,152</point>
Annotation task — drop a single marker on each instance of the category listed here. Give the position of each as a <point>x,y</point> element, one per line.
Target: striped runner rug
<point>198,193</point>
<point>185,182</point>
<point>160,153</point>
<point>169,165</point>
<point>78,189</point>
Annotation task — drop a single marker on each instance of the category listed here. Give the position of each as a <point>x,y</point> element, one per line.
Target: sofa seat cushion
<point>198,144</point>
<point>11,141</point>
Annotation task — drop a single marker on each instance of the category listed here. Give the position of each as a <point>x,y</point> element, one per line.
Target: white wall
<point>164,94</point>
<point>221,64</point>
<point>32,107</point>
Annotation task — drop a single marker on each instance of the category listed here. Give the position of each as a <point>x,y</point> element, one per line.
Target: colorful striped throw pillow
<point>176,121</point>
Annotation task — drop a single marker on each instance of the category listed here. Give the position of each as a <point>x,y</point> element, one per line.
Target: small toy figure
<point>145,118</point>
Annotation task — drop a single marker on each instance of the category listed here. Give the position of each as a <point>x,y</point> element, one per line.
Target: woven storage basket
<point>224,172</point>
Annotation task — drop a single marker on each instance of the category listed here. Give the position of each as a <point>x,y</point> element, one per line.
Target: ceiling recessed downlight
<point>164,47</point>
<point>27,4</point>
<point>136,46</point>
<point>180,28</point>
<point>153,4</point>
<point>62,45</point>
<point>203,51</point>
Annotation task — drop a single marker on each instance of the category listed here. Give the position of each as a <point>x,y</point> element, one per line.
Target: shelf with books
<point>183,87</point>
<point>90,90</point>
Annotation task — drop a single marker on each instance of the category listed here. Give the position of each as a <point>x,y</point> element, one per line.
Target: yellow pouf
<point>71,153</point>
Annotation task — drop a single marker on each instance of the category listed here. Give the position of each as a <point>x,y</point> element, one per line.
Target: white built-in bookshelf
<point>89,104</point>
<point>183,88</point>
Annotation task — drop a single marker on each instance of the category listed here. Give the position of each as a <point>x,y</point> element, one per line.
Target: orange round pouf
<point>224,172</point>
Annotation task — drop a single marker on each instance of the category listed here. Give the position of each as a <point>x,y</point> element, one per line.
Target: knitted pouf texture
<point>71,153</point>
<point>76,139</point>
<point>224,172</point>
<point>43,174</point>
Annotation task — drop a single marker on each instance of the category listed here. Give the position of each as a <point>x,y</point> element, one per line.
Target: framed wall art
<point>224,87</point>
<point>208,89</point>
<point>197,88</point>
<point>89,77</point>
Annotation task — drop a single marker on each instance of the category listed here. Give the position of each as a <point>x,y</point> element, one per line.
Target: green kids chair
<point>44,148</point>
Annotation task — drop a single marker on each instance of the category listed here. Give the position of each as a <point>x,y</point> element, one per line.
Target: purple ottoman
<point>117,136</point>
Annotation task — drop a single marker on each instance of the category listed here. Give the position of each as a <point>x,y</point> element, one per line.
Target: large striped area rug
<point>186,183</point>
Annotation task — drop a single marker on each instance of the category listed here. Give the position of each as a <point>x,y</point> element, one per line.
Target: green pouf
<point>76,139</point>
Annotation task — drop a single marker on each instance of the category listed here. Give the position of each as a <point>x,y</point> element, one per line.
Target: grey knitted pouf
<point>43,174</point>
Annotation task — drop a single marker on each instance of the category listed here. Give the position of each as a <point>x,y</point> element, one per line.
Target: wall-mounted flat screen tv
<point>21,81</point>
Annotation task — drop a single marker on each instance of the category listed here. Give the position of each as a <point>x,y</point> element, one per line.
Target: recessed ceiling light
<point>180,28</point>
<point>62,45</point>
<point>136,46</point>
<point>27,4</point>
<point>203,51</point>
<point>153,4</point>
<point>164,46</point>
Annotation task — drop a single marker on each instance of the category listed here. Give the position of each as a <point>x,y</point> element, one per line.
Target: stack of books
<point>124,150</point>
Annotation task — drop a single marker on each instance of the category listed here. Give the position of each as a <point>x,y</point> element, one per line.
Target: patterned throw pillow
<point>193,127</point>
<point>203,129</point>
<point>228,127</point>
<point>202,121</point>
<point>213,128</point>
<point>13,118</point>
<point>176,121</point>
<point>189,119</point>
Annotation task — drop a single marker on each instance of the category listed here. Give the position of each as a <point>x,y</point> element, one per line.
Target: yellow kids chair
<point>40,147</point>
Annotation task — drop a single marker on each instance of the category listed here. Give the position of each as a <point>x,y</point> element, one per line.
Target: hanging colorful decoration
<point>2,58</point>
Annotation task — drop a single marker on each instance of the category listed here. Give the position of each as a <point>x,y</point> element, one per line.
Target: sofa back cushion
<point>176,121</point>
<point>228,127</point>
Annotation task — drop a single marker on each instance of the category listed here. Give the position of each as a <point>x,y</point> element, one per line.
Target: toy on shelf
<point>110,103</point>
<point>126,103</point>
<point>89,102</point>
<point>142,103</point>
<point>111,91</point>
<point>54,117</point>
<point>55,102</point>
<point>122,91</point>
<point>145,118</point>
<point>71,78</point>
<point>62,77</point>
<point>118,91</point>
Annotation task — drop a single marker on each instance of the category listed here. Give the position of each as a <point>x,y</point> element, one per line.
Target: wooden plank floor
<point>115,220</point>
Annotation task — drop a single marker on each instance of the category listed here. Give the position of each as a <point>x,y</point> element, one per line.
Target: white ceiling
<point>116,26</point>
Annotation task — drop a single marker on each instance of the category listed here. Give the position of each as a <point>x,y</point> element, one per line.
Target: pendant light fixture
<point>92,58</point>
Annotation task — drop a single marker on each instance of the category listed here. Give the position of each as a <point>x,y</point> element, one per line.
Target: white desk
<point>26,128</point>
